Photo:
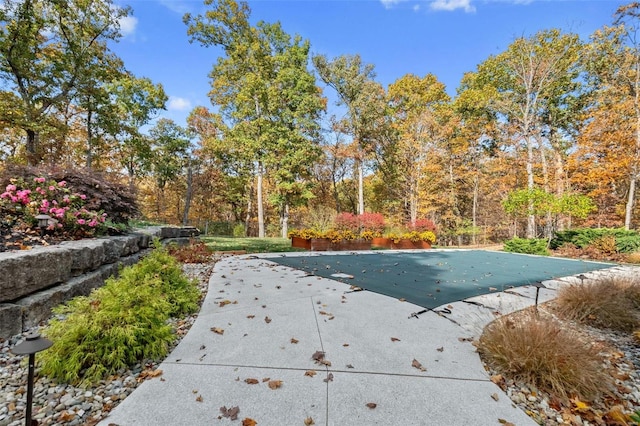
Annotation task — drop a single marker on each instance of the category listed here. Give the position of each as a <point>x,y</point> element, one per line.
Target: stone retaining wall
<point>32,282</point>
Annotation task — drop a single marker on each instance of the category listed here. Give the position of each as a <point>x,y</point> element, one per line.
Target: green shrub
<point>116,326</point>
<point>238,231</point>
<point>527,245</point>
<point>626,240</point>
<point>119,324</point>
<point>628,243</point>
<point>181,292</point>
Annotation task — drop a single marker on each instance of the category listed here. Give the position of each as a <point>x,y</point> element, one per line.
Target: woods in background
<point>540,137</point>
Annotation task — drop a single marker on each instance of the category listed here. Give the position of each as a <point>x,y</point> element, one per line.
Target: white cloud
<point>388,4</point>
<point>445,5</point>
<point>451,5</point>
<point>128,25</point>
<point>178,6</point>
<point>178,104</point>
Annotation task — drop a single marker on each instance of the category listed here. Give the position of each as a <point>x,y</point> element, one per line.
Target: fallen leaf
<point>505,423</point>
<point>199,398</point>
<point>266,379</point>
<point>325,362</point>
<point>345,344</point>
<point>309,421</point>
<point>249,422</point>
<point>251,381</point>
<point>65,417</point>
<point>275,384</point>
<point>225,303</point>
<point>395,339</point>
<point>294,341</point>
<point>317,356</point>
<point>440,349</point>
<point>579,405</point>
<point>616,415</point>
<point>194,391</point>
<point>148,374</point>
<point>498,379</point>
<point>251,316</point>
<point>230,413</point>
<point>372,405</point>
<point>350,366</point>
<point>267,320</point>
<point>417,365</point>
<point>323,313</point>
<point>310,373</point>
<point>217,330</point>
<point>465,339</point>
<point>329,378</point>
<point>495,396</point>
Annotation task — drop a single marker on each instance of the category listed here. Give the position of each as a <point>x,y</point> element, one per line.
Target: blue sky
<point>444,37</point>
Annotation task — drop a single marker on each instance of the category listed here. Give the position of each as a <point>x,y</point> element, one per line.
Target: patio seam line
<point>326,369</point>
<point>372,373</point>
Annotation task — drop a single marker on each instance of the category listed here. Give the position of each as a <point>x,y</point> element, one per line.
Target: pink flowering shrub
<point>25,199</point>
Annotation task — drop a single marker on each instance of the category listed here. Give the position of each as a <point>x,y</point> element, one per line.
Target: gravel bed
<point>62,404</point>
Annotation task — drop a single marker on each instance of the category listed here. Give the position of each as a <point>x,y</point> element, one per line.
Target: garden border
<point>32,282</point>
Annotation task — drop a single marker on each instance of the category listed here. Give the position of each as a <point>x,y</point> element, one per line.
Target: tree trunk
<point>474,208</point>
<point>360,188</point>
<point>413,200</point>
<point>531,219</point>
<point>188,195</point>
<point>630,199</point>
<point>560,186</point>
<point>89,158</point>
<point>247,220</point>
<point>31,147</point>
<point>285,220</point>
<point>633,176</point>
<point>548,226</point>
<point>259,202</point>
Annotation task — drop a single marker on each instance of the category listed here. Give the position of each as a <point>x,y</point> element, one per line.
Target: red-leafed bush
<point>346,222</point>
<point>422,225</point>
<point>372,222</point>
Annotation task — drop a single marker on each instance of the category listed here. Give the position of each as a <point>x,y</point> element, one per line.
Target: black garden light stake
<point>33,343</point>
<point>582,277</point>
<point>43,222</point>
<point>538,285</point>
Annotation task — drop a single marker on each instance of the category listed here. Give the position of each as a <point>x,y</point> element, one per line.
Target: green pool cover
<point>437,277</point>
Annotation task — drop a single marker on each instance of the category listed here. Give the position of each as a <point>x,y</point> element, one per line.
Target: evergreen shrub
<point>120,324</point>
<point>527,245</point>
<point>626,241</point>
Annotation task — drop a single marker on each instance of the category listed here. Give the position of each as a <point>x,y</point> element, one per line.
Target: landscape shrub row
<point>348,226</point>
<point>625,241</point>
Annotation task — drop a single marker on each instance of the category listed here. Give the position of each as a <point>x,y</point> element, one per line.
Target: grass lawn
<point>251,245</point>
